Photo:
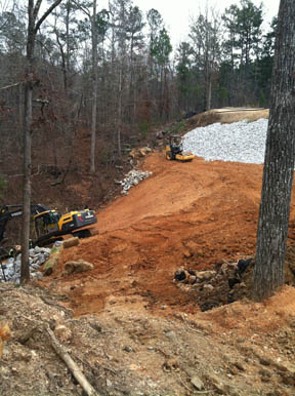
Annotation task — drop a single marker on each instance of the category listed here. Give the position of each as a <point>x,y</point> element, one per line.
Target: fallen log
<point>72,366</point>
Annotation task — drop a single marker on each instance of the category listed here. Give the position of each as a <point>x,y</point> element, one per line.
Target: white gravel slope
<point>241,141</point>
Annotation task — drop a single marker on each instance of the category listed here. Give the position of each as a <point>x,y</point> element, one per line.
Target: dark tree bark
<point>94,88</point>
<point>279,162</point>
<point>28,92</point>
<point>31,80</point>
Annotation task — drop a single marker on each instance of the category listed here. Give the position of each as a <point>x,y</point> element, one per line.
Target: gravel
<point>10,268</point>
<point>241,141</point>
<point>133,178</point>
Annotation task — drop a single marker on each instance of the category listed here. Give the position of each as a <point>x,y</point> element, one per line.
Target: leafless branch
<point>46,13</point>
<point>36,9</point>
<point>10,86</point>
<point>3,9</point>
<point>82,8</point>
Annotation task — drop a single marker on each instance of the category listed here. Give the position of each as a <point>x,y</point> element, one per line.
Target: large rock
<point>63,333</point>
<point>205,275</point>
<point>75,267</point>
<point>197,383</point>
<point>67,243</point>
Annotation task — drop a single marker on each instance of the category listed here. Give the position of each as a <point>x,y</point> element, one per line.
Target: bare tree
<point>279,162</point>
<point>64,39</point>
<point>5,7</point>
<point>34,25</point>
<point>206,34</point>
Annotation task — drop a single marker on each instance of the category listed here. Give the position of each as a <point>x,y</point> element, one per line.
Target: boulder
<point>71,242</point>
<point>205,275</point>
<point>63,333</point>
<point>197,383</point>
<point>75,267</point>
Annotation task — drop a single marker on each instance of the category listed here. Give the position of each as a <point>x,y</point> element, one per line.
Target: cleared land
<point>134,330</point>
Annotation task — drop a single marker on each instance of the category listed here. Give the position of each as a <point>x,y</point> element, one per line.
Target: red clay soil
<point>193,215</point>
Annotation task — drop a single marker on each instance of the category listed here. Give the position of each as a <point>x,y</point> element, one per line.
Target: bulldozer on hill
<point>174,150</point>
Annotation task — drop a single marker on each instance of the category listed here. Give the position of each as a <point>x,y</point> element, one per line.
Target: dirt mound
<point>226,116</point>
<point>196,215</point>
<point>128,349</point>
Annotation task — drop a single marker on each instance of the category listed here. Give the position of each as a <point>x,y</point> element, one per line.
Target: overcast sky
<point>177,14</point>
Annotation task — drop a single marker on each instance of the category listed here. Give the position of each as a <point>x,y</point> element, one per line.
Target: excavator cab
<point>46,223</point>
<point>174,150</point>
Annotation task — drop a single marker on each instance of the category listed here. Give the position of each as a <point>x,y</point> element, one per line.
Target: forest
<point>106,79</point>
<point>185,286</point>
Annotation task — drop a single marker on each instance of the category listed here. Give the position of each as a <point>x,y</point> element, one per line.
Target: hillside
<point>191,215</point>
<point>130,324</point>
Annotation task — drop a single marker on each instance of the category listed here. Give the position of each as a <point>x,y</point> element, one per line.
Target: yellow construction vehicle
<point>48,225</point>
<point>174,150</point>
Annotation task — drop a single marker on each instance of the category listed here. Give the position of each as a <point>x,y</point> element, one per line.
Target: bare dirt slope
<point>127,323</point>
<point>194,215</point>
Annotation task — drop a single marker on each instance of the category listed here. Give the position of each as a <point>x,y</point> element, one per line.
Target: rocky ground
<point>164,307</point>
<point>129,349</point>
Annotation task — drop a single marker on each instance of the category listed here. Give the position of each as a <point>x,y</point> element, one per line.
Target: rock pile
<point>226,283</point>
<point>239,142</point>
<point>133,178</point>
<point>137,153</point>
<point>10,268</point>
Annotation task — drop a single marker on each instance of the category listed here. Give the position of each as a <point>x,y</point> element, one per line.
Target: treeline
<point>108,76</point>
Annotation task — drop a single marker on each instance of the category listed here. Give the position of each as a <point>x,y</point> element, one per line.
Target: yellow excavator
<point>174,150</point>
<point>48,225</point>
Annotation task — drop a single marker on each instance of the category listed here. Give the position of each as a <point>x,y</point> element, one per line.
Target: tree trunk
<point>120,112</point>
<point>209,92</point>
<point>94,89</point>
<point>279,162</point>
<point>33,27</point>
<point>27,156</point>
<point>25,268</point>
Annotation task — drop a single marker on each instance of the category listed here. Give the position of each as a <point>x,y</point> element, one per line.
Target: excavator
<point>48,225</point>
<point>174,150</point>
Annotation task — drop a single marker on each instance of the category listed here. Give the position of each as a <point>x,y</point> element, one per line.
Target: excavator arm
<point>8,212</point>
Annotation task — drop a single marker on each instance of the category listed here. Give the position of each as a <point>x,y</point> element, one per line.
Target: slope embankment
<point>136,330</point>
<point>193,214</point>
